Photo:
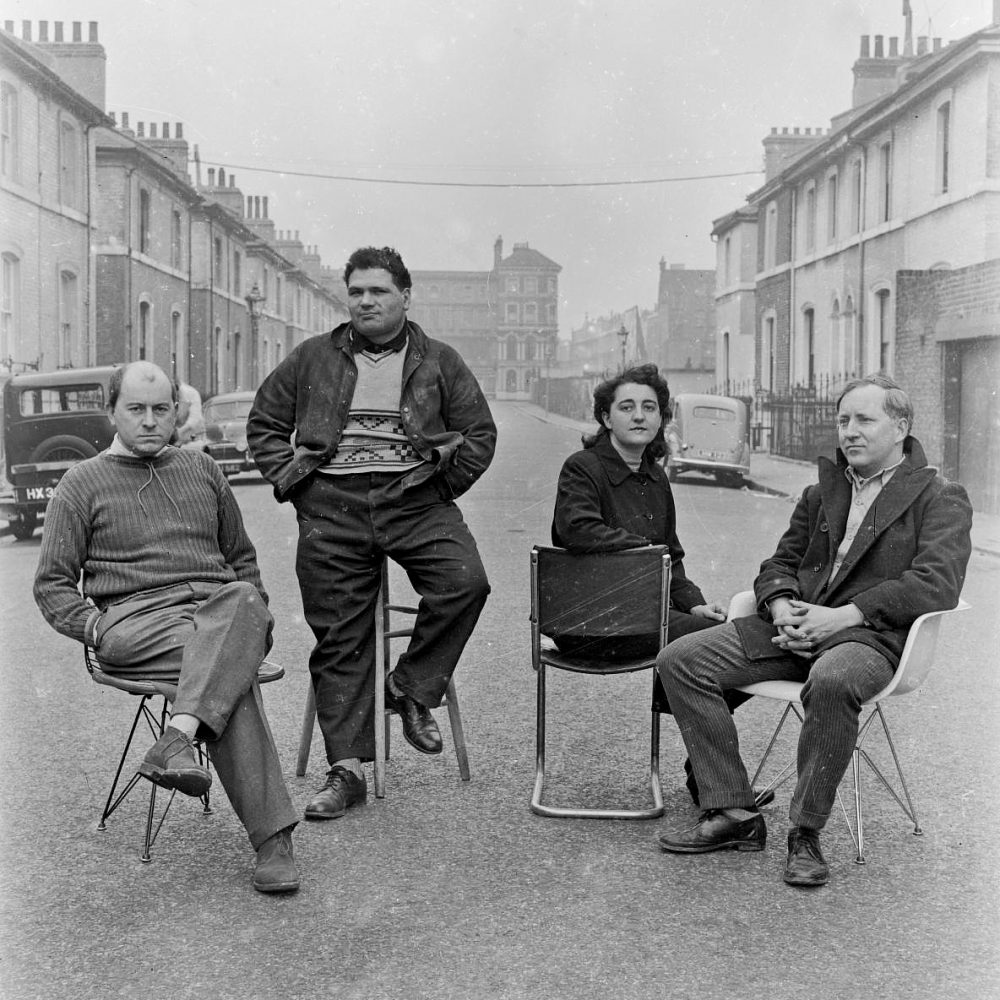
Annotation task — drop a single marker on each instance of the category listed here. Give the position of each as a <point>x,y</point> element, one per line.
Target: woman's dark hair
<point>604,397</point>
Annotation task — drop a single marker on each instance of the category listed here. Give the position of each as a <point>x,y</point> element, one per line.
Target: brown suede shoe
<point>171,763</point>
<point>715,831</point>
<point>276,871</point>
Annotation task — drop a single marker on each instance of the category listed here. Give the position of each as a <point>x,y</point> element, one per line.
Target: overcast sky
<point>495,92</point>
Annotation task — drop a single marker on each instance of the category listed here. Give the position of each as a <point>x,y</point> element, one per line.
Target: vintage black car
<point>50,421</point>
<point>226,431</point>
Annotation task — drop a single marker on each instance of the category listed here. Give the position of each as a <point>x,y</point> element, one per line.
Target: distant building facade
<point>877,247</point>
<point>112,253</point>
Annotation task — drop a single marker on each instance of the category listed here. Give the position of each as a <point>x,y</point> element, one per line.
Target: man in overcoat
<point>879,541</point>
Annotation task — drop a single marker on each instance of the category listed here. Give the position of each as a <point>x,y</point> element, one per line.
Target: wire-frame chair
<point>914,665</point>
<point>155,717</point>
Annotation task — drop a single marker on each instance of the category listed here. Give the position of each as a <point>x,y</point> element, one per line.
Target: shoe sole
<point>194,784</point>
<point>277,886</point>
<point>729,845</point>
<point>806,883</point>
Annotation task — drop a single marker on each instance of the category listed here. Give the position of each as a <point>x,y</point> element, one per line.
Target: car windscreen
<point>234,409</point>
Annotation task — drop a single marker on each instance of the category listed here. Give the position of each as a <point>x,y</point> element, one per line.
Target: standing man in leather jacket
<point>371,431</point>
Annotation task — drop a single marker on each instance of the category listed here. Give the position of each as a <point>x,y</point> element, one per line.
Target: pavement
<point>788,478</point>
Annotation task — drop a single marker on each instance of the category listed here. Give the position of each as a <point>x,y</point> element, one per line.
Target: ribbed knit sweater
<point>133,524</point>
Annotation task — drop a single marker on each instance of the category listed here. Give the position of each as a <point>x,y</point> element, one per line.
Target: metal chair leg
<point>537,807</point>
<point>305,739</point>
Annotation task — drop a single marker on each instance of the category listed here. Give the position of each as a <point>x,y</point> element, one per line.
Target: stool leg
<point>381,720</point>
<point>305,740</point>
<point>457,732</point>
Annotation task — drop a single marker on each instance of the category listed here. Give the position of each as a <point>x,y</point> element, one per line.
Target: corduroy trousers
<point>698,669</point>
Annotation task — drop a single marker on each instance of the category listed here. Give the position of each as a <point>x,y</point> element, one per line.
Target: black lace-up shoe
<point>419,728</point>
<point>342,790</point>
<point>806,864</point>
<point>715,831</point>
<point>171,763</point>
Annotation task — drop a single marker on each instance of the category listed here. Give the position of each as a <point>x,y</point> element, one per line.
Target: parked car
<point>226,431</point>
<point>50,420</point>
<point>708,434</point>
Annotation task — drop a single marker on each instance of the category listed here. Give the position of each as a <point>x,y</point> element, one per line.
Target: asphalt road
<point>453,890</point>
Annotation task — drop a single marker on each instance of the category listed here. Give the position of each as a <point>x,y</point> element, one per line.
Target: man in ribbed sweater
<point>171,591</point>
<point>371,431</point>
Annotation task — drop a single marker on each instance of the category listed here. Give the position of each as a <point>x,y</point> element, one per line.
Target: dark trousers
<point>348,525</point>
<point>698,669</point>
<point>209,639</point>
<point>632,647</point>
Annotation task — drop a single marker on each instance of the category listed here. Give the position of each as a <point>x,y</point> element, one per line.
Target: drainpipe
<point>129,327</point>
<point>91,290</point>
<point>862,222</point>
<point>792,316</point>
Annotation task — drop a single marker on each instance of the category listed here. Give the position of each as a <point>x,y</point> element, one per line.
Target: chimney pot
<point>265,207</point>
<point>249,207</point>
<point>58,26</point>
<point>937,44</point>
<point>152,130</point>
<point>179,130</point>
<point>166,130</point>
<point>865,47</point>
<point>879,51</point>
<point>124,119</point>
<point>43,31</point>
<point>894,47</point>
<point>140,129</point>
<point>92,31</point>
<point>222,177</point>
<point>8,26</point>
<point>232,180</point>
<point>113,115</point>
<point>922,45</point>
<point>26,30</point>
<point>211,177</point>
<point>77,31</point>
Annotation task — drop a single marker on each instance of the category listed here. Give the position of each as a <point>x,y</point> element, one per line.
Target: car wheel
<point>24,527</point>
<point>63,448</point>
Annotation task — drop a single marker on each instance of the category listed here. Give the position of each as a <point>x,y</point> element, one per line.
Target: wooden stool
<point>384,634</point>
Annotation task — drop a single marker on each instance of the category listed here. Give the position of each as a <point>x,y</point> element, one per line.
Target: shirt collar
<point>118,447</point>
<point>615,465</point>
<point>359,343</point>
<point>883,475</point>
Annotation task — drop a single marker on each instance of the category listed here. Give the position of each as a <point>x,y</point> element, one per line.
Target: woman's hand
<point>713,612</point>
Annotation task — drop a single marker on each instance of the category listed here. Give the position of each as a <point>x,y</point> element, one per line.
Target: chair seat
<point>149,686</point>
<point>552,656</point>
<point>779,690</point>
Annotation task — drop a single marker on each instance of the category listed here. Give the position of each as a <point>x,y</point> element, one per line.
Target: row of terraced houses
<point>116,246</point>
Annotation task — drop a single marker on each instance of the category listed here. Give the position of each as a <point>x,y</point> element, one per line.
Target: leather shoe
<point>171,763</point>
<point>419,728</point>
<point>806,864</point>
<point>342,790</point>
<point>761,798</point>
<point>276,871</point>
<point>715,831</point>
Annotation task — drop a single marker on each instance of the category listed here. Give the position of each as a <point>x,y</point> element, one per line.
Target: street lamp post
<point>623,337</point>
<point>548,358</point>
<point>255,304</point>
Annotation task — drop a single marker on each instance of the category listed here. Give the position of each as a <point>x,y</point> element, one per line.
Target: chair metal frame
<point>595,613</point>
<point>384,634</point>
<point>146,689</point>
<point>914,665</point>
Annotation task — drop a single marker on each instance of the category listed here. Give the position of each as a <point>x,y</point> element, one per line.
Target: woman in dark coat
<point>614,495</point>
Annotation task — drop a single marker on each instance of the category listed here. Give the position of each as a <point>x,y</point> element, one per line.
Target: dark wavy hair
<point>604,397</point>
<point>387,258</point>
